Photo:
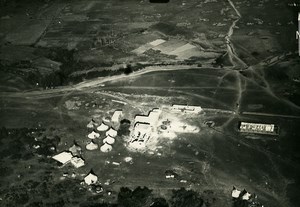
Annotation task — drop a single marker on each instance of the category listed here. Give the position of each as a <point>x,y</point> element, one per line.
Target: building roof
<point>77,162</point>
<point>186,108</point>
<point>258,128</point>
<point>142,127</point>
<point>141,119</point>
<point>151,118</point>
<point>63,157</point>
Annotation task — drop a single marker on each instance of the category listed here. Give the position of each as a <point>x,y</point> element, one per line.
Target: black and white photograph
<point>149,103</point>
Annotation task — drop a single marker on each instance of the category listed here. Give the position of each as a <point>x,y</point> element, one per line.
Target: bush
<point>137,198</point>
<point>160,202</point>
<point>186,198</point>
<point>124,127</point>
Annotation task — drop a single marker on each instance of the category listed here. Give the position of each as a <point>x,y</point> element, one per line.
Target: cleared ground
<point>213,159</point>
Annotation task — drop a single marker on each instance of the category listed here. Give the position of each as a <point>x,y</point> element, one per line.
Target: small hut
<point>91,146</point>
<point>103,127</point>
<point>93,135</point>
<point>111,132</point>
<point>235,193</point>
<point>106,148</point>
<point>109,140</point>
<point>75,149</point>
<point>91,178</point>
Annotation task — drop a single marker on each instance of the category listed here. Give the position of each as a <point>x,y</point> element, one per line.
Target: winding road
<point>233,57</point>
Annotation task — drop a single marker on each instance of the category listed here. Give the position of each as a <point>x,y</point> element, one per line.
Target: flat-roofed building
<point>258,128</point>
<point>77,162</point>
<point>151,118</point>
<point>144,126</point>
<point>63,157</point>
<point>186,108</point>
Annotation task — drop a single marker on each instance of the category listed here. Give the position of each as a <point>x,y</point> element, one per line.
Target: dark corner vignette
<point>159,1</point>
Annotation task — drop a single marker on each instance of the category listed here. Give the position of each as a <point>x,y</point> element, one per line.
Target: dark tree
<point>160,202</point>
<point>124,127</point>
<point>186,198</point>
<point>138,198</point>
<point>128,70</point>
<point>125,197</point>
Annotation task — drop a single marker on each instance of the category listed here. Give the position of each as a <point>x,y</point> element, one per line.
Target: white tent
<point>109,140</point>
<point>63,157</point>
<point>90,125</point>
<point>111,132</point>
<point>116,116</point>
<point>106,148</point>
<point>103,127</point>
<point>128,159</point>
<point>75,150</point>
<point>91,146</point>
<point>77,162</point>
<point>235,193</point>
<point>90,179</point>
<point>93,135</point>
<point>246,196</point>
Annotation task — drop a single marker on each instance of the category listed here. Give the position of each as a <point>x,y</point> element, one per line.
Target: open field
<point>213,159</point>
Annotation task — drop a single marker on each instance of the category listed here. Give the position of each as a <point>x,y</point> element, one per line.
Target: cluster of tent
<point>237,194</point>
<point>69,157</point>
<point>108,141</point>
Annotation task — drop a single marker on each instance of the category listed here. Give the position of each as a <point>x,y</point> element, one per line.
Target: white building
<point>91,178</point>
<point>116,117</point>
<point>141,134</point>
<point>151,118</point>
<point>77,162</point>
<point>186,108</point>
<point>144,126</point>
<point>258,128</point>
<point>63,157</point>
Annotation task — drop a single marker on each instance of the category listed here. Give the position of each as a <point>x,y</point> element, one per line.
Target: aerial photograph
<point>149,103</point>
